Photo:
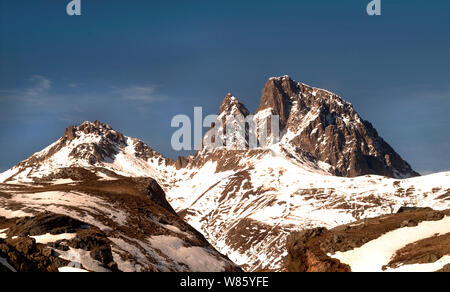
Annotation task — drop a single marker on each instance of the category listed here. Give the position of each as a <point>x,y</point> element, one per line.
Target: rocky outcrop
<point>22,253</point>
<point>312,250</point>
<point>45,223</point>
<point>303,256</point>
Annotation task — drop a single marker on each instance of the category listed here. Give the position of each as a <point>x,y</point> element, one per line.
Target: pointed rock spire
<point>231,105</point>
<point>277,95</point>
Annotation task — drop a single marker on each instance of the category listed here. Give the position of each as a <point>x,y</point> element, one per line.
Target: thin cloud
<point>73,85</point>
<point>140,93</point>
<point>41,85</point>
<point>36,93</point>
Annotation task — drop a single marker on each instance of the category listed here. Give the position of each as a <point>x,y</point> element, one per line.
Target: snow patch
<point>377,253</point>
<point>50,238</point>
<point>9,214</point>
<point>80,258</point>
<point>3,233</point>
<point>71,270</point>
<point>197,258</point>
<point>423,268</point>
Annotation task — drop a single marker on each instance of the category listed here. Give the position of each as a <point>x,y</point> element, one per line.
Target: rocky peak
<point>232,106</point>
<point>95,144</point>
<point>231,111</point>
<point>97,129</point>
<point>277,96</point>
<point>329,129</point>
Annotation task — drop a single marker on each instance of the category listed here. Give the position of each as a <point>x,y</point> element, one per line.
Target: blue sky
<point>136,64</point>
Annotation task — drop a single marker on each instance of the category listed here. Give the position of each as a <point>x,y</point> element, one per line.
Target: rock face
<point>317,250</point>
<point>314,123</point>
<point>305,257</point>
<point>330,130</point>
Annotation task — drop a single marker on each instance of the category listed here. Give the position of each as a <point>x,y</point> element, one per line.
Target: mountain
<point>88,202</point>
<point>247,203</point>
<point>329,168</point>
<point>320,125</point>
<point>237,136</point>
<point>90,146</point>
<point>412,240</point>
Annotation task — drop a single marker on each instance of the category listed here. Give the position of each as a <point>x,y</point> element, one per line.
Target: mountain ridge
<point>247,201</point>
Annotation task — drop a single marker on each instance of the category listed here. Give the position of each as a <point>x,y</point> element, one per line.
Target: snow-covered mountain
<point>247,203</point>
<point>319,124</point>
<point>329,168</point>
<point>88,202</point>
<point>93,145</point>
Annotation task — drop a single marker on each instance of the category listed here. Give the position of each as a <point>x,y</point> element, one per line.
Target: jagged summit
<point>281,94</point>
<point>232,106</point>
<point>321,125</point>
<point>277,98</point>
<point>97,133</point>
<point>95,128</point>
<point>91,145</point>
<point>329,129</point>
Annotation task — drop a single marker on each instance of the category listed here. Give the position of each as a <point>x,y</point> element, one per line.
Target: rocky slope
<point>411,240</point>
<point>75,220</point>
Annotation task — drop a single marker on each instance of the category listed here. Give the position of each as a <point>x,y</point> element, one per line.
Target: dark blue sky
<point>136,64</point>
